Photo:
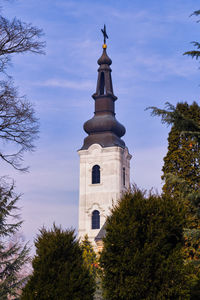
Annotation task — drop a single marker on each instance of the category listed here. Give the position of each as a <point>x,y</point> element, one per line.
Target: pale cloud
<point>156,68</point>
<point>64,83</point>
<point>71,8</point>
<point>145,16</point>
<point>165,66</point>
<point>139,15</point>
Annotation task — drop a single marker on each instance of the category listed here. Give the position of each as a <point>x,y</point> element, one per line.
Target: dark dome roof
<point>103,128</point>
<point>102,123</point>
<point>105,139</point>
<point>104,59</point>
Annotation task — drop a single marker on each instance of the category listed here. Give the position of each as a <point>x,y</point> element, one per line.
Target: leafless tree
<point>18,37</point>
<point>18,128</point>
<point>18,124</point>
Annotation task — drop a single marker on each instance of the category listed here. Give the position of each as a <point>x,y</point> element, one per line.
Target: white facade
<point>113,162</point>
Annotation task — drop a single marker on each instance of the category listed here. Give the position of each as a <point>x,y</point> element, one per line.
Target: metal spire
<point>105,36</point>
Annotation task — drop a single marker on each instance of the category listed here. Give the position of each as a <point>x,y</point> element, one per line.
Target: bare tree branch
<point>18,37</point>
<point>18,124</point>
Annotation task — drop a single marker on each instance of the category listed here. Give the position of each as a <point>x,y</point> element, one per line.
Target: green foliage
<point>12,255</point>
<point>89,256</point>
<point>142,256</point>
<point>92,264</point>
<point>179,117</point>
<point>183,162</point>
<point>181,170</point>
<point>58,268</point>
<point>181,173</point>
<point>183,158</point>
<point>194,53</point>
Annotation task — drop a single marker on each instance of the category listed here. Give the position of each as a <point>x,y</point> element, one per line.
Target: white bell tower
<point>104,157</point>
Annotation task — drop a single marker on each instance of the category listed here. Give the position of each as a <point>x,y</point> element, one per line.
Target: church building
<point>104,157</point>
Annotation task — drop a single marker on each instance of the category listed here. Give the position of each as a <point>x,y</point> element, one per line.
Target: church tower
<point>104,157</point>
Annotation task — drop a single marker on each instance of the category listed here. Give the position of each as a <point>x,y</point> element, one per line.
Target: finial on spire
<point>105,36</point>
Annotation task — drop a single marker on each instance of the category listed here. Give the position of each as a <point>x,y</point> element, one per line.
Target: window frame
<point>96,174</point>
<point>124,176</point>
<point>95,219</point>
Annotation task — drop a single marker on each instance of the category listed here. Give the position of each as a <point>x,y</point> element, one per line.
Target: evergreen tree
<point>92,263</point>
<point>181,172</point>
<point>142,256</point>
<point>13,256</point>
<point>58,268</point>
<point>89,256</point>
<point>181,168</point>
<point>183,159</point>
<point>194,53</point>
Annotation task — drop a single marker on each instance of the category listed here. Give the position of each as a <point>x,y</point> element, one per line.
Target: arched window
<point>124,177</point>
<point>95,219</point>
<point>95,174</point>
<point>102,84</point>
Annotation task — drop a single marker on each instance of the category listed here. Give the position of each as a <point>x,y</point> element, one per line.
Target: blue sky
<point>146,43</point>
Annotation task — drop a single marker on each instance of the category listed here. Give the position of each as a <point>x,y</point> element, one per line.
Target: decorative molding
<point>95,206</point>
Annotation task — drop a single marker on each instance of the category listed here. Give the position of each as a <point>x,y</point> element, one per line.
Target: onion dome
<point>103,128</point>
<point>104,59</point>
<point>104,123</point>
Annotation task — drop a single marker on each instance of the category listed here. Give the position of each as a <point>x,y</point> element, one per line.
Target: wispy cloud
<point>138,15</point>
<point>165,66</point>
<point>156,68</point>
<point>63,83</point>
